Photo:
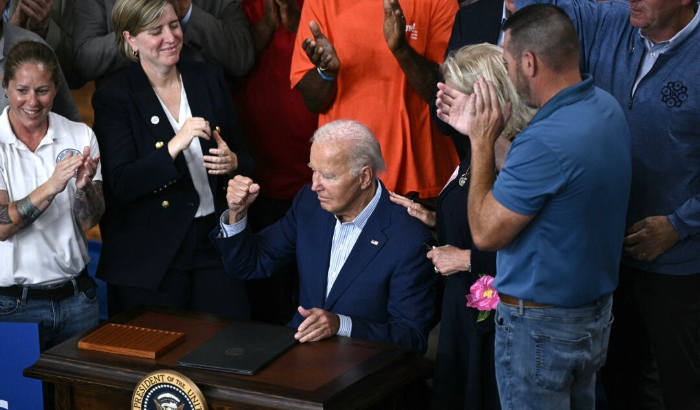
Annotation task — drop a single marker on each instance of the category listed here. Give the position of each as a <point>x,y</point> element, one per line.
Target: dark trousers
<point>654,351</point>
<point>195,280</point>
<point>275,299</point>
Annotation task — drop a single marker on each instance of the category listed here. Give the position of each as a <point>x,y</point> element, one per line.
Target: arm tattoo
<point>28,213</point>
<point>5,215</point>
<point>79,204</point>
<point>89,204</point>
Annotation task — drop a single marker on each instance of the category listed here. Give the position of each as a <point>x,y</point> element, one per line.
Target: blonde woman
<point>465,373</point>
<point>170,143</point>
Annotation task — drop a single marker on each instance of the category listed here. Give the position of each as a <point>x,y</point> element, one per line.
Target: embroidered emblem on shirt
<point>63,154</point>
<point>674,94</point>
<point>411,28</point>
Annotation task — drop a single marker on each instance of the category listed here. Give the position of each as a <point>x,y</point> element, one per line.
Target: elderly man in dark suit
<point>361,259</point>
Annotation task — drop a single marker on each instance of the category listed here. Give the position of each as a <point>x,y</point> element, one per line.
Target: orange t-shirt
<point>373,89</point>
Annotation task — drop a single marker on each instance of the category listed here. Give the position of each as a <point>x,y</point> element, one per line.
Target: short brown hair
<point>28,51</point>
<point>545,30</point>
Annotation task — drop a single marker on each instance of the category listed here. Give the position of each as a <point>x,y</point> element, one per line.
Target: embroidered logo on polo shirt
<point>63,154</point>
<point>674,94</point>
<point>411,28</point>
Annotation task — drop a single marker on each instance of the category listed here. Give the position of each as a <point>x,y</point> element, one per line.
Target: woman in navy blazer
<point>169,142</point>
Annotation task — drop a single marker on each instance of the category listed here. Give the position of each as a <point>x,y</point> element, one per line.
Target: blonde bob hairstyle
<point>463,67</point>
<point>135,16</point>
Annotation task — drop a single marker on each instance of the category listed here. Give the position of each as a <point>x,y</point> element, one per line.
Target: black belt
<point>58,292</point>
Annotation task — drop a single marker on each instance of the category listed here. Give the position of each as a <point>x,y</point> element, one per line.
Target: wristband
<point>325,77</point>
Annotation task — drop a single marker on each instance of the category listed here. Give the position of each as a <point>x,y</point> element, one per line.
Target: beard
<point>522,86</point>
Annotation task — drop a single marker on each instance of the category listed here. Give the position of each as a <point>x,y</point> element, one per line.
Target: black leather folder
<point>242,348</point>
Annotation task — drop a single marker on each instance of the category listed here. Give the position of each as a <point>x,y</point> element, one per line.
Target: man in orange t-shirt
<point>357,60</point>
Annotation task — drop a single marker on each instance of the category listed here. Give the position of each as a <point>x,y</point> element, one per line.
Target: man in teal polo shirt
<point>556,213</point>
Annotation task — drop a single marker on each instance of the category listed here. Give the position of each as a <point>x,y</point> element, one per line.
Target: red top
<point>276,123</point>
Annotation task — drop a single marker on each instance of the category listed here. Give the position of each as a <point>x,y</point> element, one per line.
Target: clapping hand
<point>321,51</point>
<point>65,169</point>
<point>194,127</point>
<point>271,16</point>
<point>394,25</point>
<point>86,172</point>
<point>37,12</point>
<point>289,14</point>
<point>222,160</point>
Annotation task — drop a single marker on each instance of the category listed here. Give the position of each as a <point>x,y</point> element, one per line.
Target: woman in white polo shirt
<point>50,189</point>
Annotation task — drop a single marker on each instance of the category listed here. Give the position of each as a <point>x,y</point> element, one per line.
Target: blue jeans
<point>59,320</point>
<point>547,358</point>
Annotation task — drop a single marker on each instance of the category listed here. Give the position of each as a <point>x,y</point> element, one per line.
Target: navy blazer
<point>151,200</point>
<point>476,23</point>
<point>386,286</point>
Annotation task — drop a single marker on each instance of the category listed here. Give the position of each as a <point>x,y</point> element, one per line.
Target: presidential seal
<point>167,390</point>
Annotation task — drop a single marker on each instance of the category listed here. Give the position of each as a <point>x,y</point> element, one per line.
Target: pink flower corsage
<point>483,296</point>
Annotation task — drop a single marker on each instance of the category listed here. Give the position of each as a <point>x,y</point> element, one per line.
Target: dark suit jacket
<point>386,286</point>
<point>151,200</point>
<point>476,23</point>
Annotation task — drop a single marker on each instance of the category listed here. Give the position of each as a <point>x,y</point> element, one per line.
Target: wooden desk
<point>336,373</point>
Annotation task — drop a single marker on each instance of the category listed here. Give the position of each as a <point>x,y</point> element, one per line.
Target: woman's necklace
<point>463,178</point>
